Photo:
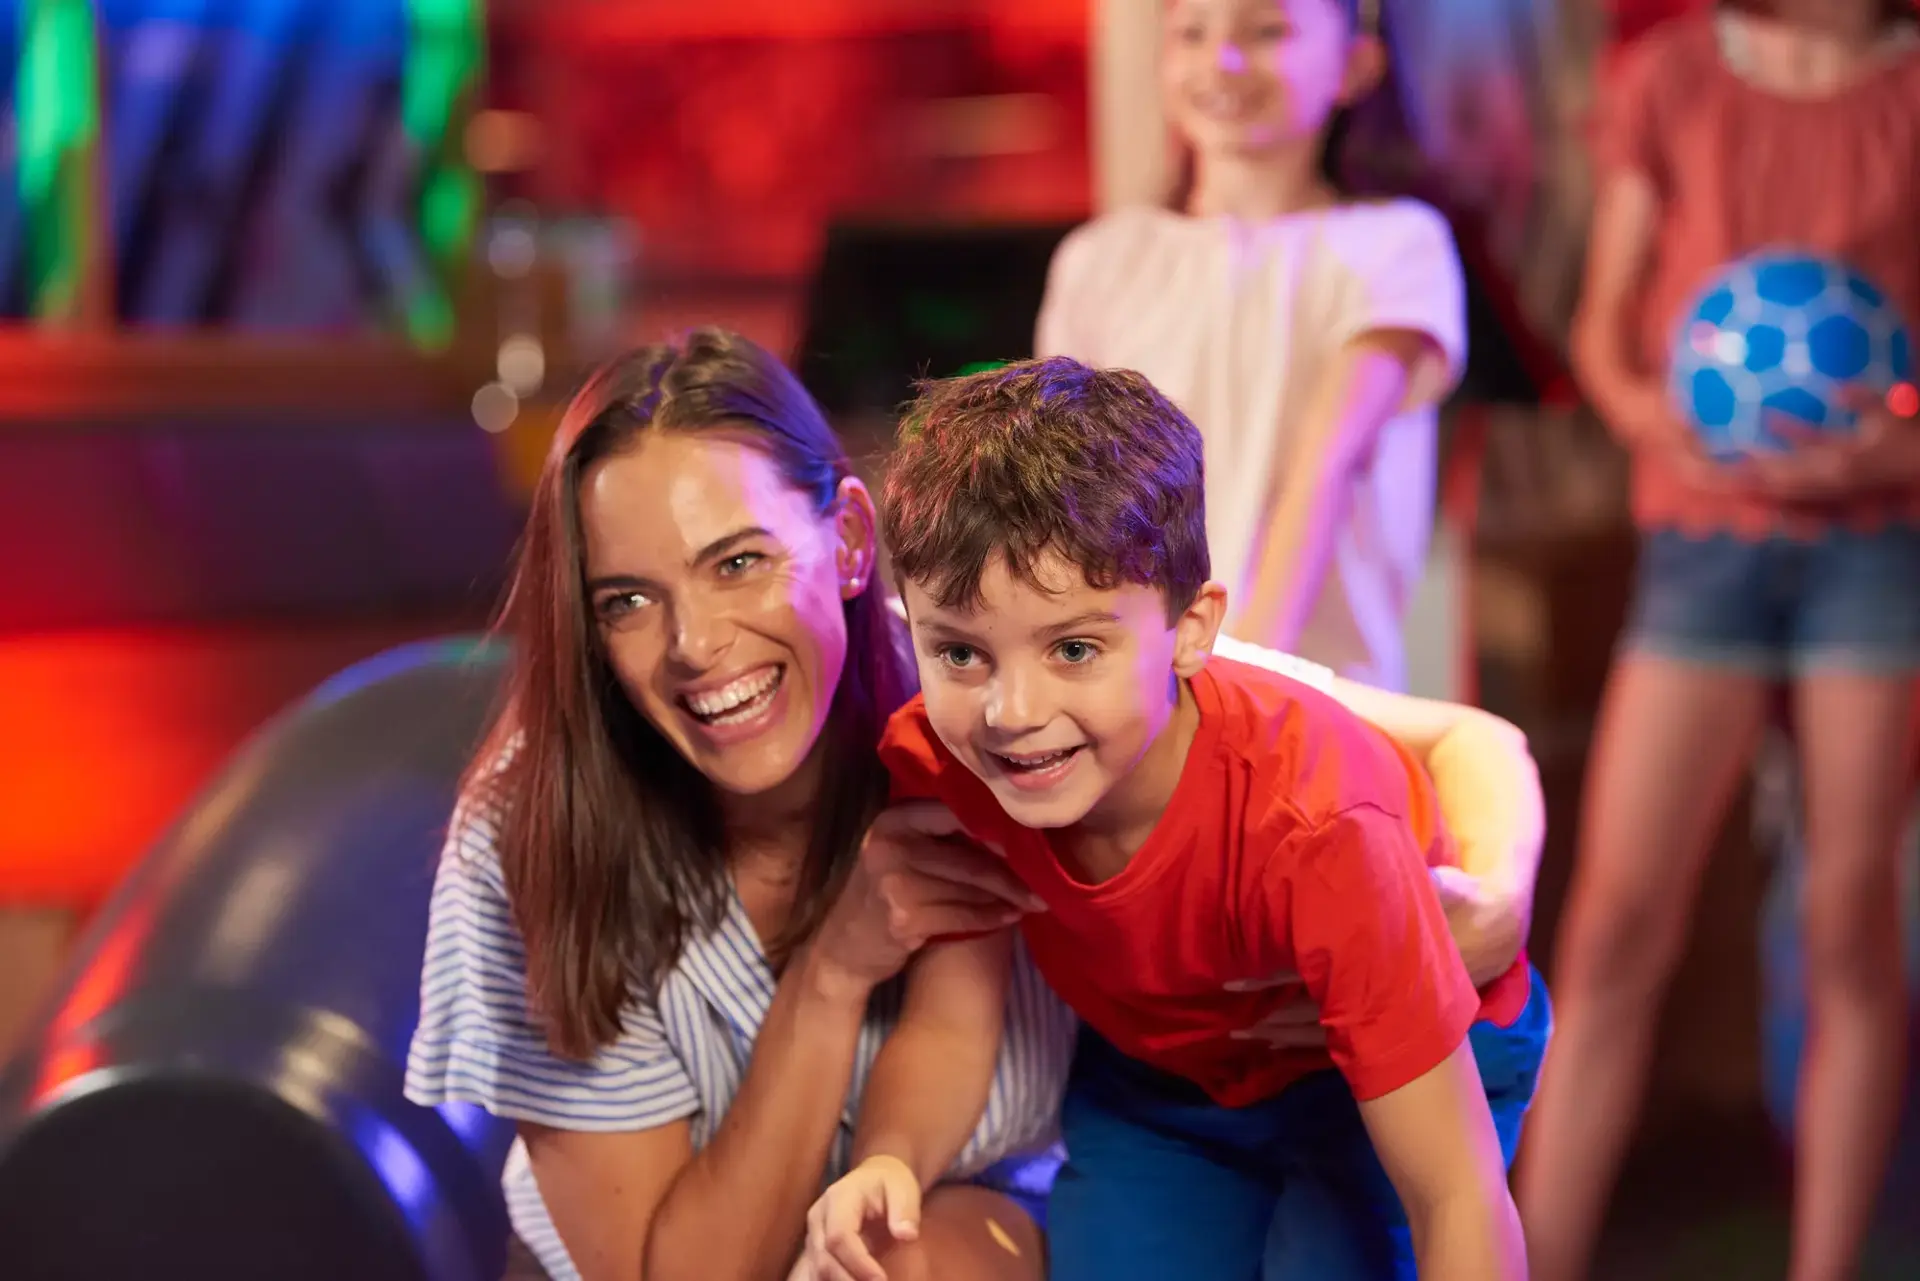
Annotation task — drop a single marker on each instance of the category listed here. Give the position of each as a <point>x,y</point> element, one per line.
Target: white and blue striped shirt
<point>683,1057</point>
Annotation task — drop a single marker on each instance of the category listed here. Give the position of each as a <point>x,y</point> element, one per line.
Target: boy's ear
<point>1198,626</point>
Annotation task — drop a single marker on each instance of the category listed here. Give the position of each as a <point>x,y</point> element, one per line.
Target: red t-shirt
<point>1298,839</point>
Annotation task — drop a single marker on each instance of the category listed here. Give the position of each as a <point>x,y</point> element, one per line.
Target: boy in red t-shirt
<point>1192,827</point>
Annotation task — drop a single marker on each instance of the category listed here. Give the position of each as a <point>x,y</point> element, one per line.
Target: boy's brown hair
<point>1047,455</point>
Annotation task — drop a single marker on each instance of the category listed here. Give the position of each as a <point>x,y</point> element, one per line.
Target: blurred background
<point>291,291</point>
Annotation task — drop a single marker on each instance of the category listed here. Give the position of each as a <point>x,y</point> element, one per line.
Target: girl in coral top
<point>1794,122</point>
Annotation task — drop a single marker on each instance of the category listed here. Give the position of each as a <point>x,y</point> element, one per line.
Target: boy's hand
<point>882,1192</point>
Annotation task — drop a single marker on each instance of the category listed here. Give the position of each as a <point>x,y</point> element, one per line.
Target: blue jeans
<point>1779,607</point>
<point>1162,1182</point>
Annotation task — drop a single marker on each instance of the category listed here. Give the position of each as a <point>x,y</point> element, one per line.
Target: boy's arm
<point>930,1080</point>
<point>1371,945</point>
<point>1435,1138</point>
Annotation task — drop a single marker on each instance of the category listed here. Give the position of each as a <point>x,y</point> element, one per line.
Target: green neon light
<point>445,65</point>
<point>58,129</point>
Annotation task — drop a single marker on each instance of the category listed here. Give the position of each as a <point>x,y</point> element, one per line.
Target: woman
<point>672,907</point>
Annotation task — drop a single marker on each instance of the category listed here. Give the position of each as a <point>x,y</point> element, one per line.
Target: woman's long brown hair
<point>609,841</point>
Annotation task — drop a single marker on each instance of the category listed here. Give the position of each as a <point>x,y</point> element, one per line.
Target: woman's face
<point>719,593</point>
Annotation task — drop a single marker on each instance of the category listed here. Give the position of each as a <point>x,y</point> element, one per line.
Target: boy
<point>1192,827</point>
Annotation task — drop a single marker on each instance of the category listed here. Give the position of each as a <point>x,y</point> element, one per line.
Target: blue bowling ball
<point>1784,333</point>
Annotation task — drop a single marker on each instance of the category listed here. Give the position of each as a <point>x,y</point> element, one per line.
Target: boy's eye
<point>1078,651</point>
<point>956,655</point>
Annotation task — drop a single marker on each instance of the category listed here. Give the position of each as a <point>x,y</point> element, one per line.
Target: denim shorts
<point>1780,607</point>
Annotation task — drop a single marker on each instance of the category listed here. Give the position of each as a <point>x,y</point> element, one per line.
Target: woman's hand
<point>918,877</point>
<point>1294,1024</point>
<point>1489,929</point>
<point>1488,789</point>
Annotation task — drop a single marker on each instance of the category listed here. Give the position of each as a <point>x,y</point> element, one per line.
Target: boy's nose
<point>1015,705</point>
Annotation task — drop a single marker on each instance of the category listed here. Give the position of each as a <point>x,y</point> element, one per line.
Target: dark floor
<point>1707,1200</point>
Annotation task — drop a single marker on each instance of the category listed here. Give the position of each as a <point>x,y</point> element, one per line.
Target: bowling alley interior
<point>302,308</point>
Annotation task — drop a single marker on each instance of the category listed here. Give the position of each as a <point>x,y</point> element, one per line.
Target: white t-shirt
<point>1234,322</point>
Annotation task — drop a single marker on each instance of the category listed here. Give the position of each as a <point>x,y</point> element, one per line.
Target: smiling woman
<point>726,549</point>
<point>670,906</point>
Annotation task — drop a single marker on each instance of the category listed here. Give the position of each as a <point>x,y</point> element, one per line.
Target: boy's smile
<point>1058,695</point>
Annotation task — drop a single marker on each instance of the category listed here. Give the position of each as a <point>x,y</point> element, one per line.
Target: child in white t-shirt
<point>1308,335</point>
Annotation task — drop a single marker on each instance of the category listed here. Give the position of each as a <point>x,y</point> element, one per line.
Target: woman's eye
<point>739,563</point>
<point>621,604</point>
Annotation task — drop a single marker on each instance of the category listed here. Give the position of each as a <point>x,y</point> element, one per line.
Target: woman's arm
<point>1363,388</point>
<point>736,1211</point>
<point>1488,787</point>
<point>645,1205</point>
<point>601,1190</point>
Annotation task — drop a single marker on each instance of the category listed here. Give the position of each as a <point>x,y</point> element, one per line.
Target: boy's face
<point>1054,698</point>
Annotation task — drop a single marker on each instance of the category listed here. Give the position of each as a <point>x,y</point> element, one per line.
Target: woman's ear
<point>856,528</point>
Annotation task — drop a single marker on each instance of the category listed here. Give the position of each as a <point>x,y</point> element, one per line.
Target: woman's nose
<point>700,636</point>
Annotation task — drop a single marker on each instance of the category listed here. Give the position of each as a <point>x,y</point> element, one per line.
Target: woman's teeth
<point>736,700</point>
